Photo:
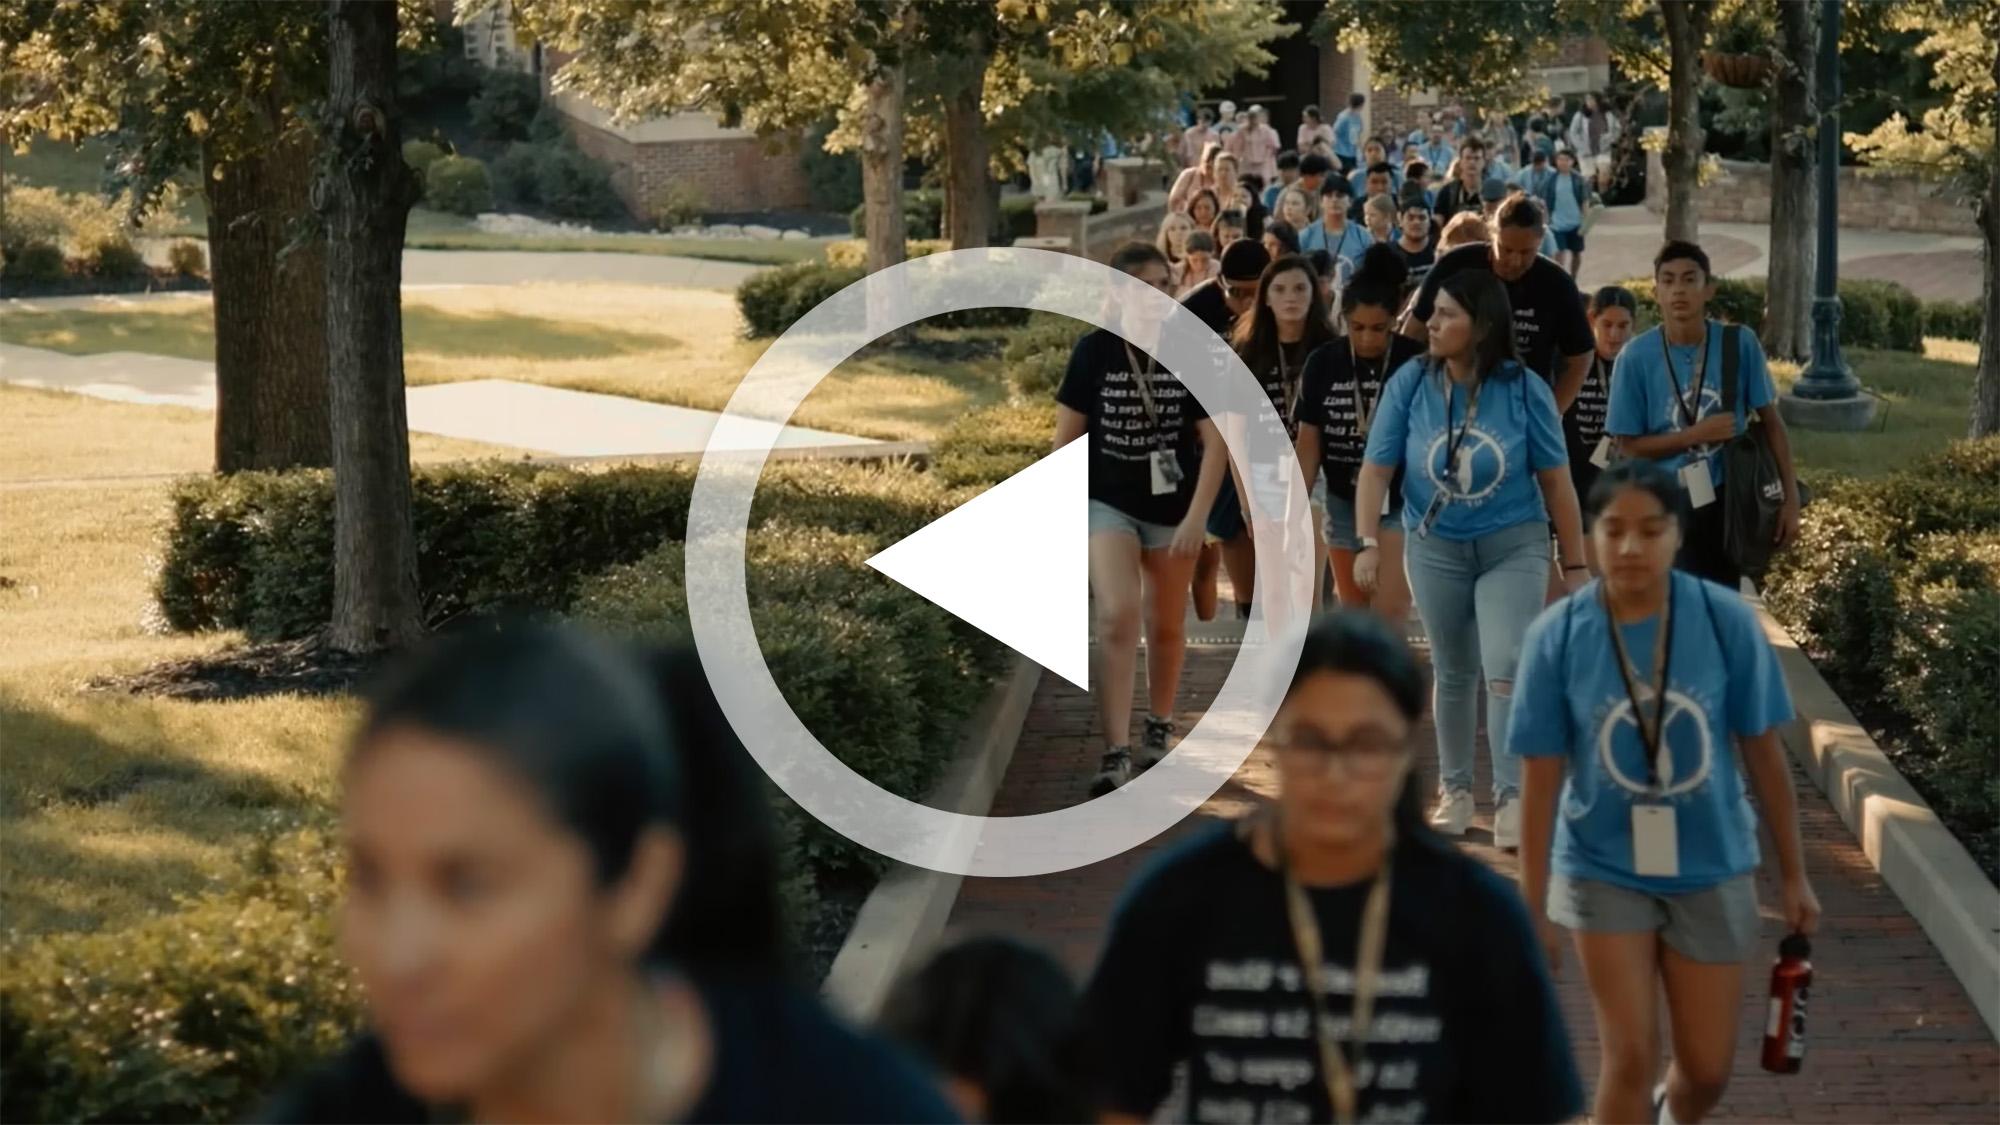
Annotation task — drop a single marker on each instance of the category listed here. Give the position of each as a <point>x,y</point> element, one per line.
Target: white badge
<point>1601,456</point>
<point>1166,473</point>
<point>1385,503</point>
<point>1700,486</point>
<point>1656,846</point>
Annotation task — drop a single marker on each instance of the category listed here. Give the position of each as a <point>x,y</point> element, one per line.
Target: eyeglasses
<point>1369,757</point>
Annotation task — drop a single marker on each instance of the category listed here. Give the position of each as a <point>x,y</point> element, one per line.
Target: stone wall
<point>732,173</point>
<point>1867,200</point>
<point>1068,225</point>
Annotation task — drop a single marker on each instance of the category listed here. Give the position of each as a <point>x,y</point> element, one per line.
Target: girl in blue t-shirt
<point>1643,736</point>
<point>1479,441</point>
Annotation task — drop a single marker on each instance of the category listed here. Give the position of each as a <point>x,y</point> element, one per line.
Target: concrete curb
<point>906,912</point>
<point>1916,855</point>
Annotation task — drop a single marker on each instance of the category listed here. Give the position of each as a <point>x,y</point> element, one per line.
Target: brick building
<point>731,169</point>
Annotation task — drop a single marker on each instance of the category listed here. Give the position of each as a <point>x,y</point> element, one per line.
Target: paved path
<point>509,267</point>
<point>1894,1037</point>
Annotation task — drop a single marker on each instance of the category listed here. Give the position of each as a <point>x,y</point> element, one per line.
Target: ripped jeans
<point>1477,598</point>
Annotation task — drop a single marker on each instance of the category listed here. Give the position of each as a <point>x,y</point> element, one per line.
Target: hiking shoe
<point>1153,744</point>
<point>1453,812</point>
<point>1205,569</point>
<point>1113,770</point>
<point>1507,825</point>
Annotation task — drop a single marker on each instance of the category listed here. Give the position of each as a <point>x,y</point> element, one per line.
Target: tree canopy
<point>1956,141</point>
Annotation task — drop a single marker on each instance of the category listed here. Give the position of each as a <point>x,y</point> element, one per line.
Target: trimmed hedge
<point>852,253</point>
<point>1874,314</point>
<point>773,300</point>
<point>988,445</point>
<point>193,1015</point>
<point>457,185</point>
<point>1037,357</point>
<point>1953,320</point>
<point>1894,590</point>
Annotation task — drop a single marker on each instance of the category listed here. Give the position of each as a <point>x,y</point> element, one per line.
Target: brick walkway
<point>1894,1037</point>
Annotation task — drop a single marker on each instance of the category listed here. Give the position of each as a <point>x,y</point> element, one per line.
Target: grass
<point>1926,402</point>
<point>676,346</point>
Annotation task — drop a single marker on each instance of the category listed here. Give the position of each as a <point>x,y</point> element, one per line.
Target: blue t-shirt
<point>1549,248</point>
<point>1517,432</point>
<point>1347,134</point>
<point>1358,180</point>
<point>1570,701</point>
<point>1439,155</point>
<point>1567,214</point>
<point>1349,244</point>
<point>1643,399</point>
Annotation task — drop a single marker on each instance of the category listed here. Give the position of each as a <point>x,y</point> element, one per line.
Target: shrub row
<point>254,551</point>
<point>1037,357</point>
<point>852,253</point>
<point>772,300</point>
<point>988,445</point>
<point>1953,320</point>
<point>1874,314</point>
<point>46,235</point>
<point>1894,590</point>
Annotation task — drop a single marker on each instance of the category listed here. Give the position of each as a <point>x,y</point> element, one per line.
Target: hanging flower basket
<point>1739,71</point>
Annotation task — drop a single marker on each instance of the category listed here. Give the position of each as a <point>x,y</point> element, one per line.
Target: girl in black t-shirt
<point>1245,955</point>
<point>1612,310</point>
<point>1343,381</point>
<point>561,905</point>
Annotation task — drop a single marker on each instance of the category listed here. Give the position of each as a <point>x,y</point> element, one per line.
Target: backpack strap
<point>1732,359</point>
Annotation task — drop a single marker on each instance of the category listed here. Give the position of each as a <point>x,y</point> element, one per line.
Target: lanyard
<point>1364,410</point>
<point>1471,413</point>
<point>1288,387</point>
<point>1142,378</point>
<point>1688,414</point>
<point>1652,736</point>
<point>1335,1068</point>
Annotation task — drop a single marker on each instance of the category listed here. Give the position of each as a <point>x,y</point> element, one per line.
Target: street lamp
<point>1827,396</point>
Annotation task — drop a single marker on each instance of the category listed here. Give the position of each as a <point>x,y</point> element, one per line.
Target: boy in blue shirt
<point>1666,406</point>
<point>1334,232</point>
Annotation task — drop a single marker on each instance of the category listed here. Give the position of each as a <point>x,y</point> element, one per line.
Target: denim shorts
<point>1339,532</point>
<point>1225,519</point>
<point>1717,925</point>
<point>1571,240</point>
<point>1151,536</point>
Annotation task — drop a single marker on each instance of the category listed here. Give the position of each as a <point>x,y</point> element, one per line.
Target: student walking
<point>1485,471</point>
<point>1156,462</point>
<point>1569,199</point>
<point>1343,385</point>
<point>1646,701</point>
<point>1219,302</point>
<point>1199,266</point>
<point>1330,959</point>
<point>561,905</point>
<point>1467,176</point>
<point>1347,129</point>
<point>1667,406</point>
<point>1334,231</point>
<point>1196,138</point>
<point>1196,178</point>
<point>1612,312</point>
<point>1413,243</point>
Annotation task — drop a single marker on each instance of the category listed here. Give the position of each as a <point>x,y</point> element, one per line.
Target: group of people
<point>1542,481</point>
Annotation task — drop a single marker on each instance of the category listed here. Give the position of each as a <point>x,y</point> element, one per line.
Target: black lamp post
<point>1828,376</point>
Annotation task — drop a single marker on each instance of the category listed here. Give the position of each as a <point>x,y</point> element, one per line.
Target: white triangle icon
<point>1014,561</point>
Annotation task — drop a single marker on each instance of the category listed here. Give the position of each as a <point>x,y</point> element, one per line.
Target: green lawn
<point>1927,400</point>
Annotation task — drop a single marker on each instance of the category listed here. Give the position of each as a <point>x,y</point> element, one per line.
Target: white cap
<point>1226,106</point>
<point>1256,109</point>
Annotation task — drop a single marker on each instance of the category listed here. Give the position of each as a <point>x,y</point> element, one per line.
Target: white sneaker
<point>1507,825</point>
<point>1453,812</point>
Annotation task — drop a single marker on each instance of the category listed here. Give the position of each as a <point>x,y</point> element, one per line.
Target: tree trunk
<point>1687,31</point>
<point>882,169</point>
<point>968,182</point>
<point>1986,384</point>
<point>272,402</point>
<point>1794,189</point>
<point>367,193</point>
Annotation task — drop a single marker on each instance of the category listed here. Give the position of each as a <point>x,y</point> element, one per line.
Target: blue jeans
<point>1477,598</point>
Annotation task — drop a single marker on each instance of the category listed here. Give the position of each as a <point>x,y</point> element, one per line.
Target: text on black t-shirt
<point>1102,384</point>
<point>1549,323</point>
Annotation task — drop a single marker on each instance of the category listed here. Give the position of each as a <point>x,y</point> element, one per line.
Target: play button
<point>1014,561</point>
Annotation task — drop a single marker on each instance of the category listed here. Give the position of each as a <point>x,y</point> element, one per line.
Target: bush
<point>1017,219</point>
<point>772,300</point>
<point>675,203</point>
<point>852,253</point>
<point>1953,320</point>
<point>570,185</point>
<point>833,179</point>
<point>1037,357</point>
<point>923,215</point>
<point>514,172</point>
<point>458,185</point>
<point>420,155</point>
<point>986,446</point>
<point>1874,314</point>
<point>193,1015</point>
<point>505,106</point>
<point>186,258</point>
<point>35,263</point>
<point>34,216</point>
<point>114,257</point>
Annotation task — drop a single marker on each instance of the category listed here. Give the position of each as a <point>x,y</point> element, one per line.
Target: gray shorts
<point>1715,926</point>
<point>1151,536</point>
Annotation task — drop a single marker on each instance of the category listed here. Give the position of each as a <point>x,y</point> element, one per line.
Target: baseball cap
<point>1244,260</point>
<point>1540,157</point>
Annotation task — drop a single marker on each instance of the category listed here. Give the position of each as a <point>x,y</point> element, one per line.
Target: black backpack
<point>1753,490</point>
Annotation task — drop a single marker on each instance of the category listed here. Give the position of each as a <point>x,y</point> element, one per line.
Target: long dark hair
<point>1359,643</point>
<point>1215,204</point>
<point>1379,279</point>
<point>1484,299</point>
<point>1256,335</point>
<point>613,742</point>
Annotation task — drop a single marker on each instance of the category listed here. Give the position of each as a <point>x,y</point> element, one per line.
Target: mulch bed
<point>304,667</point>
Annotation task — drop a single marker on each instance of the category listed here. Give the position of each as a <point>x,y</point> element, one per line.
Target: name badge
<point>1166,472</point>
<point>1385,503</point>
<point>1601,456</point>
<point>1656,847</point>
<point>1431,514</point>
<point>1699,484</point>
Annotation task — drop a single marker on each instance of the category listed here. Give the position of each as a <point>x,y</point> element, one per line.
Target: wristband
<point>1567,569</point>
<point>1369,543</point>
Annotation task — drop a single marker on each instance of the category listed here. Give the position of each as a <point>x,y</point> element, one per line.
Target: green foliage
<point>923,215</point>
<point>571,185</point>
<point>34,263</point>
<point>193,1015</point>
<point>114,257</point>
<point>76,221</point>
<point>1955,141</point>
<point>187,258</point>
<point>505,105</point>
<point>773,299</point>
<point>833,179</point>
<point>1466,48</point>
<point>458,185</point>
<point>1037,357</point>
<point>514,173</point>
<point>1874,314</point>
<point>676,203</point>
<point>852,253</point>
<point>988,445</point>
<point>1017,219</point>
<point>420,155</point>
<point>1953,320</point>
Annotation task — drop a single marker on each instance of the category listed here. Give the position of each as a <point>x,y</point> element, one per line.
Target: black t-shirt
<point>1102,385</point>
<point>1548,314</point>
<point>1417,261</point>
<point>1584,424</point>
<point>779,1056</point>
<point>1327,400</point>
<point>1454,198</point>
<point>1201,969</point>
<point>1211,304</point>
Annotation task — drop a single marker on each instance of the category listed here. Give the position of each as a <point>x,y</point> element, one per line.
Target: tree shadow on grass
<point>442,332</point>
<point>80,803</point>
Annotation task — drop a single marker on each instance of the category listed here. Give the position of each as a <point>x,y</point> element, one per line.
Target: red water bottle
<point>1785,1031</point>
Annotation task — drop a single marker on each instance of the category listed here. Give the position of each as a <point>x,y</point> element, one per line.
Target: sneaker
<point>1206,567</point>
<point>1113,770</point>
<point>1507,824</point>
<point>1453,812</point>
<point>1153,744</point>
<point>1660,1112</point>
